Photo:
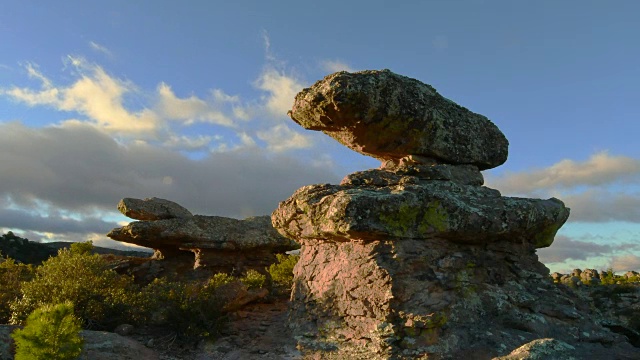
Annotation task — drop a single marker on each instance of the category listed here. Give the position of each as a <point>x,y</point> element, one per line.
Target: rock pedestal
<point>417,259</point>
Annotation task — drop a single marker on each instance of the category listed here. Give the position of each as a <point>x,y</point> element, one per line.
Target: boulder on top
<point>389,116</point>
<point>152,209</point>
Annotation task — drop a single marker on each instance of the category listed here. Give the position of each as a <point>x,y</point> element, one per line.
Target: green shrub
<point>282,271</point>
<point>607,277</point>
<point>81,248</point>
<point>192,309</point>
<point>101,297</point>
<point>253,279</point>
<point>219,279</point>
<point>12,275</point>
<point>52,332</point>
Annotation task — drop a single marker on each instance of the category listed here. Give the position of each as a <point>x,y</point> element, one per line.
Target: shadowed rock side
<point>417,259</point>
<point>388,116</point>
<point>197,241</point>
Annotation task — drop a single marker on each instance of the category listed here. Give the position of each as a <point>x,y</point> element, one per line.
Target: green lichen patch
<point>400,223</point>
<point>435,217</point>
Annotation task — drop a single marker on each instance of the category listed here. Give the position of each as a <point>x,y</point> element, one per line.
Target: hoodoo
<point>418,258</point>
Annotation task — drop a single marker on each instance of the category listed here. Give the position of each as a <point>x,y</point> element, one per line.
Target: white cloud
<point>600,169</point>
<point>564,248</point>
<point>95,95</point>
<point>37,173</point>
<point>331,66</point>
<point>100,48</point>
<point>599,189</point>
<point>281,138</point>
<point>625,263</point>
<point>281,89</point>
<point>187,143</point>
<point>267,46</point>
<point>601,205</point>
<point>567,253</point>
<point>193,109</point>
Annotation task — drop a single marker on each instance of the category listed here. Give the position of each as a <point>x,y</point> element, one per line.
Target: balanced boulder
<point>389,116</point>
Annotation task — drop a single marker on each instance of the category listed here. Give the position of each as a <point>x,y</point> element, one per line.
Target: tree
<point>52,332</point>
<point>12,276</point>
<point>101,296</point>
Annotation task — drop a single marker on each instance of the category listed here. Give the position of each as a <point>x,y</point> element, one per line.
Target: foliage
<point>607,277</point>
<point>101,297</point>
<point>253,279</point>
<point>12,276</point>
<point>81,248</point>
<point>52,332</point>
<point>192,309</point>
<point>282,271</point>
<point>220,279</point>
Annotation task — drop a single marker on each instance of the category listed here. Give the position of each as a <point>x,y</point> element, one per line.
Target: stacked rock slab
<point>417,259</point>
<point>219,244</point>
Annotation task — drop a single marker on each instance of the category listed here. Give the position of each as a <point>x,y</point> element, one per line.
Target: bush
<point>253,279</point>
<point>12,275</point>
<point>52,332</point>
<point>282,271</point>
<point>192,309</point>
<point>219,279</point>
<point>101,297</point>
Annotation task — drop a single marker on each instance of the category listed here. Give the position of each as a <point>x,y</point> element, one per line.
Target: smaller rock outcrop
<point>217,243</point>
<point>152,209</point>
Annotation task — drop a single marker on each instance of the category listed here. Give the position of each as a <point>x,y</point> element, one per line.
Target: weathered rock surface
<point>417,259</point>
<point>100,345</point>
<point>152,209</point>
<point>383,206</point>
<point>204,232</point>
<point>187,241</point>
<point>411,297</point>
<point>389,116</point>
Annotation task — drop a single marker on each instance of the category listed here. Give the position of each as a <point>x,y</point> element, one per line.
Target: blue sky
<point>104,100</point>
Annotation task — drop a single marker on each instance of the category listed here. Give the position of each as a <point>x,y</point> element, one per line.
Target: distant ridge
<point>30,252</point>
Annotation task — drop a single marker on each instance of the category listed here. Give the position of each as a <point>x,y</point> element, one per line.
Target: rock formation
<point>216,243</point>
<point>417,258</point>
<point>388,116</point>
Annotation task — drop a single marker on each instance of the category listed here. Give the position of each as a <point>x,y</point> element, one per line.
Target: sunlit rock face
<point>417,258</point>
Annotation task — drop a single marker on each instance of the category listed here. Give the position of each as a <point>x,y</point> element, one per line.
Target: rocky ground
<point>258,331</point>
